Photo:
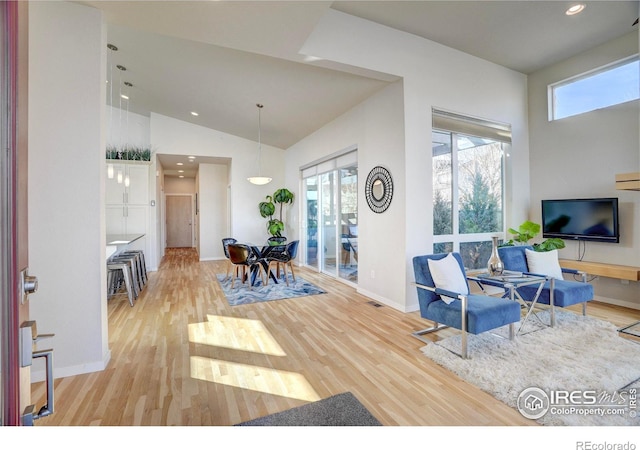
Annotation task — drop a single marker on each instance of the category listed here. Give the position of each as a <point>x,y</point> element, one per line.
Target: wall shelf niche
<point>628,181</point>
<point>603,269</point>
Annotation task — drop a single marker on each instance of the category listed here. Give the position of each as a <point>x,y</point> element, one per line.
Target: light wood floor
<point>183,356</point>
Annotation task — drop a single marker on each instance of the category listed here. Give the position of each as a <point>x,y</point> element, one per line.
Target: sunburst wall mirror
<point>379,189</point>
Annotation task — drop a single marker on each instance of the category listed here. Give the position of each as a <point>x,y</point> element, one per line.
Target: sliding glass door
<point>328,210</point>
<point>348,264</point>
<point>310,220</point>
<point>330,216</point>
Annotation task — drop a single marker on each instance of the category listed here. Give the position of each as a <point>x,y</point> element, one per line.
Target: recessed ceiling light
<point>575,9</point>
<point>312,59</point>
<point>193,113</point>
<point>124,96</point>
<point>191,157</point>
<point>180,176</point>
<point>179,164</point>
<point>180,171</point>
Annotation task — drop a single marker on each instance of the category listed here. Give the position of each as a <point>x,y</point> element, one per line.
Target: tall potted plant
<point>281,197</point>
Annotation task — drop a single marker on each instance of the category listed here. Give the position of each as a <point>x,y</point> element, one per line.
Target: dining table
<point>261,252</point>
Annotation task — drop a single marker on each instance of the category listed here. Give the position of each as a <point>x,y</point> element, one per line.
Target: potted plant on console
<point>529,230</point>
<point>542,260</point>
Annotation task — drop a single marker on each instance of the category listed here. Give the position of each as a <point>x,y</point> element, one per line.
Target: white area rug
<point>579,354</point>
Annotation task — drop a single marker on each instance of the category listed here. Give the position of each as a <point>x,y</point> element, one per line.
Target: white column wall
<point>67,66</point>
<point>433,76</point>
<point>212,188</point>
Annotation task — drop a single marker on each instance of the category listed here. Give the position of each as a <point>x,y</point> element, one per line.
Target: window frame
<point>551,88</point>
<point>455,238</point>
<point>333,164</point>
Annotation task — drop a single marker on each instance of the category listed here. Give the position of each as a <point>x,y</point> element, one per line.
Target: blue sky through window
<point>610,87</point>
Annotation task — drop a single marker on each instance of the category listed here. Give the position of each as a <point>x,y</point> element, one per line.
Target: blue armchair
<point>467,312</point>
<point>565,292</point>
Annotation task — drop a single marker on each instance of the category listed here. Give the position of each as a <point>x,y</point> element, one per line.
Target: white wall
<point>175,185</point>
<point>126,127</point>
<point>172,136</point>
<point>376,128</point>
<point>67,60</point>
<point>433,76</point>
<point>579,156</point>
<point>212,189</point>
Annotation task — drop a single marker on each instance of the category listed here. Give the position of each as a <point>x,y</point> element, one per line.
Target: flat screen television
<point>586,219</point>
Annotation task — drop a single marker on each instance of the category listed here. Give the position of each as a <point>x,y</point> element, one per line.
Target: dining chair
<point>242,258</point>
<point>275,256</point>
<point>284,259</point>
<point>225,245</point>
<point>292,253</point>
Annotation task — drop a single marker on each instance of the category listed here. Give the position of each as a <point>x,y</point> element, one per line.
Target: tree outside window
<point>468,199</point>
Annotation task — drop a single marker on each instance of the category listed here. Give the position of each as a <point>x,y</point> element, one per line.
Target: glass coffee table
<point>633,329</point>
<point>511,282</point>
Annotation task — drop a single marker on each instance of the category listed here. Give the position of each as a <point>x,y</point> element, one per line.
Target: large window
<point>468,186</point>
<point>608,86</point>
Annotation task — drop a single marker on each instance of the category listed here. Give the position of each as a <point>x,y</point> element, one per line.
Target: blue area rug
<point>242,295</point>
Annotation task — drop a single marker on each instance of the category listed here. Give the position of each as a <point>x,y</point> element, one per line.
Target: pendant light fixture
<point>112,48</point>
<point>126,96</point>
<point>119,153</point>
<point>259,180</point>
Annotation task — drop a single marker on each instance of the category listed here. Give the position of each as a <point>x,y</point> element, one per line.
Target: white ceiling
<point>221,58</point>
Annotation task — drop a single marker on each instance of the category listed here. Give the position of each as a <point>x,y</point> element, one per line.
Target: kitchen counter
<point>116,243</point>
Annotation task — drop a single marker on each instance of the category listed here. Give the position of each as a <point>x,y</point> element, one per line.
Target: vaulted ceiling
<point>221,58</point>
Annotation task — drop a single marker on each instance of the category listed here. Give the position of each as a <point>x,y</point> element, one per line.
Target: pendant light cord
<point>259,138</point>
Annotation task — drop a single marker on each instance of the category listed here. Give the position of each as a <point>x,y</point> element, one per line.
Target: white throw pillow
<point>447,275</point>
<point>544,263</point>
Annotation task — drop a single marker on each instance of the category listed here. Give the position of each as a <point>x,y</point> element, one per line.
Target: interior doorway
<point>179,217</point>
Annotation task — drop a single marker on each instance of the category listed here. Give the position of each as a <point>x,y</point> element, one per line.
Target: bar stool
<point>115,272</point>
<point>140,272</point>
<point>133,270</point>
<point>142,266</point>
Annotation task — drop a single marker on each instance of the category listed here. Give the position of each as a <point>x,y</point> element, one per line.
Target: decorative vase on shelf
<point>495,266</point>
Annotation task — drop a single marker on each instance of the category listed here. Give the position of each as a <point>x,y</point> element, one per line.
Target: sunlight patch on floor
<point>261,379</point>
<point>235,333</point>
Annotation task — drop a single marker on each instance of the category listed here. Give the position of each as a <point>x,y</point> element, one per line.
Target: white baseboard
<point>62,372</point>
<point>616,302</point>
<point>213,258</point>
<point>400,307</point>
